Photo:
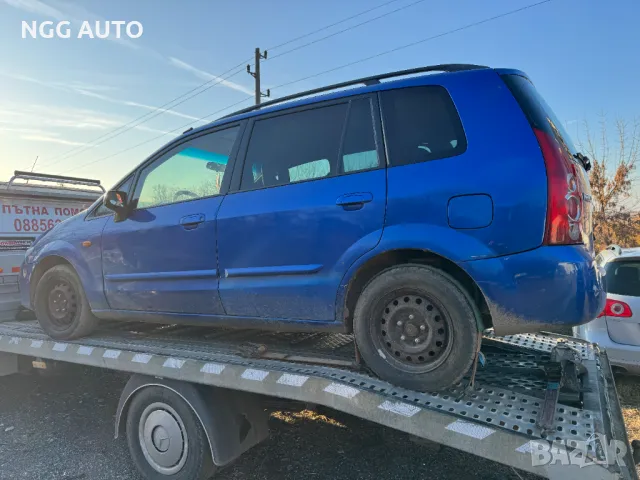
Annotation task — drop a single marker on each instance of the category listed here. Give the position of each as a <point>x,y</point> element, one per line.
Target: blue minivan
<point>416,211</point>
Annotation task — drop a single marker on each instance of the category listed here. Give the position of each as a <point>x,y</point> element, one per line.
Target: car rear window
<point>538,112</point>
<point>421,124</point>
<point>623,278</point>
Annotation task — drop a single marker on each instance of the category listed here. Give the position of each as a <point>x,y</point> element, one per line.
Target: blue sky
<point>62,94</point>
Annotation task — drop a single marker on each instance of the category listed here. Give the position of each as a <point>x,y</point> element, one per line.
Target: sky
<point>65,100</point>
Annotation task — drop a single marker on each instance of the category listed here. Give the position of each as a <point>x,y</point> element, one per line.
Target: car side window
<point>359,145</point>
<point>125,186</point>
<point>193,170</point>
<point>311,144</point>
<point>421,124</point>
<point>294,147</point>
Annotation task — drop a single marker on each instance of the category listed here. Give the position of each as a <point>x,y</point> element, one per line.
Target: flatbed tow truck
<point>527,391</point>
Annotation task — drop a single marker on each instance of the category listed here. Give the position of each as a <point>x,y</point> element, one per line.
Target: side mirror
<point>116,200</point>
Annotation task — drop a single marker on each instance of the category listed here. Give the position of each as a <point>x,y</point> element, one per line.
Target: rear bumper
<point>620,355</point>
<point>541,289</point>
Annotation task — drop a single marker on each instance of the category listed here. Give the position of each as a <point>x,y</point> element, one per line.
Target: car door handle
<point>354,201</point>
<point>190,222</point>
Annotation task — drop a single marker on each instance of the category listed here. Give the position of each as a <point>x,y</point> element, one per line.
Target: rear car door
<point>162,258</point>
<point>310,201</point>
<point>622,314</point>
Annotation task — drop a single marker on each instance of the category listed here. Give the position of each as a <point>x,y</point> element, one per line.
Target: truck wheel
<point>416,328</point>
<point>61,305</point>
<point>166,439</point>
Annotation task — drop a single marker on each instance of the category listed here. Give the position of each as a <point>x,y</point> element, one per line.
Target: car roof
<point>371,84</point>
<point>615,253</point>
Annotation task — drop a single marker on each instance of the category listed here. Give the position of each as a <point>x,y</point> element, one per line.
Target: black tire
<point>420,304</point>
<point>195,461</point>
<point>62,284</point>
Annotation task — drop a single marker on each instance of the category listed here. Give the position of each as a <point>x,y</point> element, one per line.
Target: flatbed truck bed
<point>225,374</point>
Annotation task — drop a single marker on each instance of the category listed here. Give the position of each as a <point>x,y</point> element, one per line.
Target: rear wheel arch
<point>397,257</point>
<point>232,421</point>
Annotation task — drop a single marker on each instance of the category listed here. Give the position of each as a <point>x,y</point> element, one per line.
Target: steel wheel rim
<point>413,331</point>
<point>62,304</point>
<point>163,438</point>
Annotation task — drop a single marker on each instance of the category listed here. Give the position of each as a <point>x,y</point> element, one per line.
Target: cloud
<point>208,76</point>
<point>51,139</point>
<point>92,91</point>
<point>43,121</point>
<point>75,13</point>
<point>170,112</point>
<point>36,6</point>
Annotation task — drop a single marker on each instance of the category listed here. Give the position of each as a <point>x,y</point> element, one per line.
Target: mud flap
<point>233,421</point>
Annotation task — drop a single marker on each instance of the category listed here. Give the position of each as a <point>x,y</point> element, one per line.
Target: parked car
<point>414,212</point>
<point>617,328</point>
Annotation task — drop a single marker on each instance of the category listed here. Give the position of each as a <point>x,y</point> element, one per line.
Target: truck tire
<point>61,307</point>
<point>416,328</point>
<point>165,437</point>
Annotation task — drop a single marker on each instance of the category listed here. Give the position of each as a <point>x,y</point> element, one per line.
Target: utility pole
<point>256,75</point>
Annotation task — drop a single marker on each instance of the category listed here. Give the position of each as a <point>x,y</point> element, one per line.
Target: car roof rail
<point>615,248</point>
<point>372,80</point>
<point>45,177</point>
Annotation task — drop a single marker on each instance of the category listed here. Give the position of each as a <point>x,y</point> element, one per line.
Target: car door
<point>622,312</point>
<point>162,258</point>
<point>310,201</point>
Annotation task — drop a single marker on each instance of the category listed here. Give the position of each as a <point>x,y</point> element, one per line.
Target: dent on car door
<point>162,257</point>
<point>311,201</point>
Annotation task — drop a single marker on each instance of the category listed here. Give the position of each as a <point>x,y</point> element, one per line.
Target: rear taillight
<point>616,308</point>
<point>564,194</point>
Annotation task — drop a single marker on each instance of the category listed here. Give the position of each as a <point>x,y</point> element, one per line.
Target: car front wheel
<point>61,306</point>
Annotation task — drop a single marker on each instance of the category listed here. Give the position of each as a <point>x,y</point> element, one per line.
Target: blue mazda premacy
<point>414,209</point>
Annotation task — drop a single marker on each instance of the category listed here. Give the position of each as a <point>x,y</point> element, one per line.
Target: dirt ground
<point>629,393</point>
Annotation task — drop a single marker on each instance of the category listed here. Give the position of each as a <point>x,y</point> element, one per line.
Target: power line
<point>182,127</point>
<point>130,125</point>
<point>345,30</point>
<point>163,108</point>
<point>449,32</point>
<point>333,24</point>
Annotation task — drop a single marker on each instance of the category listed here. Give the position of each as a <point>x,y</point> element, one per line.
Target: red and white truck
<point>30,204</point>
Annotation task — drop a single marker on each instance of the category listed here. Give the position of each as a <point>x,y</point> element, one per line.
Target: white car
<point>617,328</point>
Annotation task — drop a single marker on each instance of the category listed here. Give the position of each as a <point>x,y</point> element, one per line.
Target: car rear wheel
<point>61,306</point>
<point>165,437</point>
<point>416,328</point>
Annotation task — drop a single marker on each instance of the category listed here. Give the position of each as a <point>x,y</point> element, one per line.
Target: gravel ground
<point>61,427</point>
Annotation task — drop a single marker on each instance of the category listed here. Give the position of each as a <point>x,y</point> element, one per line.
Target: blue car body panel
<point>267,273</point>
<point>558,285</point>
<point>65,241</point>
<point>154,263</point>
<point>283,257</point>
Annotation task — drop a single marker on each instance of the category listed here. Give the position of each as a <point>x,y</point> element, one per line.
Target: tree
<point>615,218</point>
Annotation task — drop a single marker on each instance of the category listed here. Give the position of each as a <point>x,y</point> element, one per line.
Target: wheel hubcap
<point>415,332</point>
<point>61,305</point>
<point>163,438</point>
